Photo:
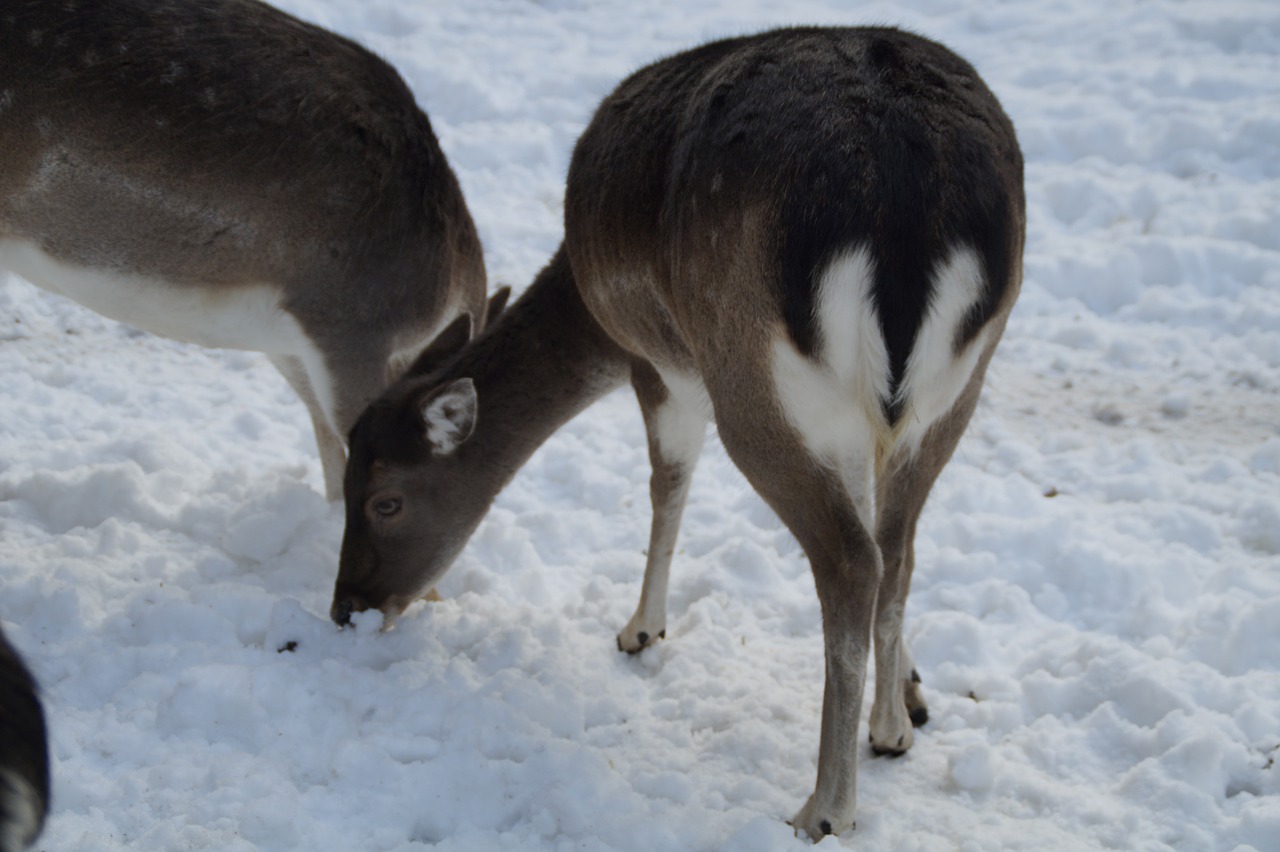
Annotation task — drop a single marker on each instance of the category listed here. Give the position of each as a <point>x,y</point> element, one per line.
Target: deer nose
<point>344,605</point>
<point>340,612</point>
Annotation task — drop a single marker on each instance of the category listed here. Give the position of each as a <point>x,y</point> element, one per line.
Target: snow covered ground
<point>1096,608</point>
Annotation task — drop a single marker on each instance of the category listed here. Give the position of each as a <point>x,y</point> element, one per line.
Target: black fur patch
<point>24,750</point>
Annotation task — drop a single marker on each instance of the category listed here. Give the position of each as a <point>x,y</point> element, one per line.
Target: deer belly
<point>247,316</point>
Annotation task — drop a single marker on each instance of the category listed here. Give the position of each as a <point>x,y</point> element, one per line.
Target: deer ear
<point>449,415</point>
<point>497,302</point>
<point>443,345</point>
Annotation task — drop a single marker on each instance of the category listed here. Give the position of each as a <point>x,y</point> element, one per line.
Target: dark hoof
<point>915,676</point>
<point>884,751</point>
<point>824,828</point>
<point>919,716</point>
<point>643,638</point>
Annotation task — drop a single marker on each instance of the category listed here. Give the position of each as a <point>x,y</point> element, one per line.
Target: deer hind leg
<point>332,447</point>
<point>676,422</point>
<point>901,490</point>
<point>899,704</point>
<point>816,477</point>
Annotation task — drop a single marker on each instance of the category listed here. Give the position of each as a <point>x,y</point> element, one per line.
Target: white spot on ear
<point>449,416</point>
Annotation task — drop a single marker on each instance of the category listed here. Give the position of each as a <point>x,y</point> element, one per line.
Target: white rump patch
<point>935,375</point>
<point>835,400</point>
<point>851,342</point>
<point>837,397</point>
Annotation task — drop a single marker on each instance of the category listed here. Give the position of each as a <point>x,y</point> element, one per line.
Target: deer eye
<point>387,507</point>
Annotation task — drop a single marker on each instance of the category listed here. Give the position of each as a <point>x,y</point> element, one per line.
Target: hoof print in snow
<point>289,646</point>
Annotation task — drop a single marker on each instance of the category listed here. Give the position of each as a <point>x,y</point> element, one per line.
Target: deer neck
<point>543,362</point>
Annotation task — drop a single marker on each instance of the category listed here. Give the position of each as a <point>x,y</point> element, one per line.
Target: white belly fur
<point>245,317</point>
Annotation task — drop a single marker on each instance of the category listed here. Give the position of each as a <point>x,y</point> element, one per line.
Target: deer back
<point>204,148</point>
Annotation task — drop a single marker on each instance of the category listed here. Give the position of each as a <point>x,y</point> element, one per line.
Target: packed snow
<point>1096,605</point>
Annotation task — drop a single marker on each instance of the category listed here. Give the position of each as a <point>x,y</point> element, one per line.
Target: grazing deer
<point>24,754</point>
<point>222,173</point>
<point>813,236</point>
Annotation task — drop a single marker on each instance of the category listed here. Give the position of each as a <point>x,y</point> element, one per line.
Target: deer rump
<point>768,176</point>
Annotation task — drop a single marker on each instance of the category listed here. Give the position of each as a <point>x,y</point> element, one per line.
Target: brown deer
<point>813,236</point>
<point>222,173</point>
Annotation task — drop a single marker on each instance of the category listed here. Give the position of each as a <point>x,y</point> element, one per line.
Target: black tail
<point>24,754</point>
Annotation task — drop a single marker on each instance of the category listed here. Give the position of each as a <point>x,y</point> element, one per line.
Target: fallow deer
<point>222,173</point>
<point>811,236</point>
